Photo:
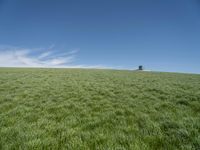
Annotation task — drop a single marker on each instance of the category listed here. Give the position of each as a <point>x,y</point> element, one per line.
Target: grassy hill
<point>98,109</point>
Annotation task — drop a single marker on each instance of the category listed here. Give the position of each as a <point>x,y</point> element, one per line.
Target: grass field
<point>98,109</point>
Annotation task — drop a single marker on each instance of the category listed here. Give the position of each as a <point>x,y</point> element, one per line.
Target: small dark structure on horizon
<point>140,67</point>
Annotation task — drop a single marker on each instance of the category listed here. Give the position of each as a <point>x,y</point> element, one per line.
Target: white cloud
<point>18,57</point>
<point>44,55</point>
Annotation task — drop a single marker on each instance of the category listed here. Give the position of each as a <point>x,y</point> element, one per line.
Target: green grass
<point>98,109</point>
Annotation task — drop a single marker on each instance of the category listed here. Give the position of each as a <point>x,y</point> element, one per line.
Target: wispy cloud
<point>44,55</point>
<point>25,58</point>
<point>20,57</point>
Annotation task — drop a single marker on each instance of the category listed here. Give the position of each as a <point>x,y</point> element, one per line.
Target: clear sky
<point>161,35</point>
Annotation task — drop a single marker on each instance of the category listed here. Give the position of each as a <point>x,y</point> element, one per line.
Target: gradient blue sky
<point>162,35</point>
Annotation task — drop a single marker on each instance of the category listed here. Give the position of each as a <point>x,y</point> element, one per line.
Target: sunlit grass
<point>98,109</point>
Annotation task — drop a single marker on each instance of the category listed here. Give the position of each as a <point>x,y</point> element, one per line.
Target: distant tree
<point>140,67</point>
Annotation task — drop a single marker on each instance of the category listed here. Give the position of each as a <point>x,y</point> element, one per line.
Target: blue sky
<point>162,35</point>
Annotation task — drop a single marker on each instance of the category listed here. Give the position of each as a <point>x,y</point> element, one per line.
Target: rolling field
<point>98,109</point>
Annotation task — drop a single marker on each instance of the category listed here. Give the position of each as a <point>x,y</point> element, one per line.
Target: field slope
<point>98,109</point>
